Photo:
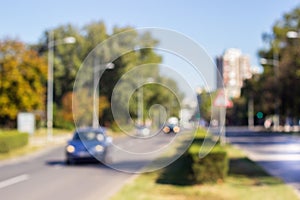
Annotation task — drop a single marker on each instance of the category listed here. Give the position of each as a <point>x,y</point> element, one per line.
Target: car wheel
<point>68,162</point>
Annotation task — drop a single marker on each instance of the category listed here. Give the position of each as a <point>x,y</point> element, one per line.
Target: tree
<point>68,59</point>
<point>22,80</point>
<point>140,66</point>
<point>276,89</point>
<point>282,83</point>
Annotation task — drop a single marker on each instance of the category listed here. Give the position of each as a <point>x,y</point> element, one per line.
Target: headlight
<point>99,148</point>
<point>70,148</point>
<point>176,129</point>
<point>100,137</point>
<point>166,129</point>
<point>146,131</point>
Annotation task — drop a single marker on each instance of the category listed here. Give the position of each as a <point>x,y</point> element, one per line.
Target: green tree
<point>68,59</point>
<point>280,84</point>
<point>22,80</point>
<point>205,105</point>
<point>276,89</point>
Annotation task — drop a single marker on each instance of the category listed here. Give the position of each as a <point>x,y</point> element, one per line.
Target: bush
<point>12,140</point>
<point>62,124</point>
<point>213,167</point>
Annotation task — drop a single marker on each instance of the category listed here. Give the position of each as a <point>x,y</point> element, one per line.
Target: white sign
<point>26,122</point>
<point>222,100</point>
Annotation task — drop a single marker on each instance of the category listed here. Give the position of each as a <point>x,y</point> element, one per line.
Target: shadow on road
<point>94,164</point>
<point>288,170</point>
<point>277,153</point>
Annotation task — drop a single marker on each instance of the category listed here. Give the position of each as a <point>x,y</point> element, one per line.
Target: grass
<point>40,134</point>
<point>246,181</point>
<point>19,152</point>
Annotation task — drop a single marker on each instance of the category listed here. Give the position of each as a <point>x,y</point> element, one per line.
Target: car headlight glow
<point>99,148</point>
<point>100,137</point>
<point>70,148</point>
<point>166,129</point>
<point>146,131</point>
<point>176,129</point>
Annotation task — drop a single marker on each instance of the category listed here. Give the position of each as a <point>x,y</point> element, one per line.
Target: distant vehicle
<point>87,145</point>
<point>172,125</point>
<point>142,131</point>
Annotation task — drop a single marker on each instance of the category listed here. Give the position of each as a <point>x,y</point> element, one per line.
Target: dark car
<point>88,145</point>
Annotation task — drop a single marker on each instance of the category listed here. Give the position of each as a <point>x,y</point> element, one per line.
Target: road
<point>47,177</point>
<point>277,153</point>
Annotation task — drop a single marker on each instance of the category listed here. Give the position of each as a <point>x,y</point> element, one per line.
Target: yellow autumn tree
<point>22,80</point>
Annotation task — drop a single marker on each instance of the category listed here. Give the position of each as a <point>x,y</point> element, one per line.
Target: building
<point>233,68</point>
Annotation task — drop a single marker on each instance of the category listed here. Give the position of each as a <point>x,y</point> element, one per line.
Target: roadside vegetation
<point>244,180</point>
<point>14,144</point>
<point>10,140</point>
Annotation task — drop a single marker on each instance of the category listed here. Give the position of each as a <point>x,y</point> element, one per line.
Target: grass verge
<point>246,180</point>
<point>19,152</point>
<point>37,142</point>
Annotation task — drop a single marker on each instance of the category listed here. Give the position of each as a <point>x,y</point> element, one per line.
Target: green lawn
<point>40,134</point>
<point>246,181</point>
<point>43,132</point>
<point>20,152</point>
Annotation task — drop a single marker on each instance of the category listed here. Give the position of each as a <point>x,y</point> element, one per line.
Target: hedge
<point>12,140</point>
<point>213,167</point>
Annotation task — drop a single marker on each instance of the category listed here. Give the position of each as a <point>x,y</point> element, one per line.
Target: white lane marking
<point>13,180</point>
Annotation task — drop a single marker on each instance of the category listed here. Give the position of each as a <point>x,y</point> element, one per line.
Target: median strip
<point>14,180</point>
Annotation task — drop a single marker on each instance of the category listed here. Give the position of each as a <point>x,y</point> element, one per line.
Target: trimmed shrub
<point>12,140</point>
<point>213,167</point>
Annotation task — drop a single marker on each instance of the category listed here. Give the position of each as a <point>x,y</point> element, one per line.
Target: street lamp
<point>275,62</point>
<point>97,69</point>
<point>51,44</point>
<point>140,111</point>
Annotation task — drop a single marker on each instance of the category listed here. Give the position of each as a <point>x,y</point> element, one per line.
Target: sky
<point>214,24</point>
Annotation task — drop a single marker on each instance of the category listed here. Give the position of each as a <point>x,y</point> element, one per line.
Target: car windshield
<point>88,136</point>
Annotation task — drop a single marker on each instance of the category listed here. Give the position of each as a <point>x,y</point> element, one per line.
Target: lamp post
<point>97,69</point>
<point>51,44</point>
<point>140,98</point>
<point>275,62</point>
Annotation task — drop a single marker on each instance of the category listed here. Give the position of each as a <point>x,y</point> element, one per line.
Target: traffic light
<point>259,115</point>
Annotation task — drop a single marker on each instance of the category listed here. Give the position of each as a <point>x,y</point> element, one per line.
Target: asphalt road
<point>47,177</point>
<point>277,153</point>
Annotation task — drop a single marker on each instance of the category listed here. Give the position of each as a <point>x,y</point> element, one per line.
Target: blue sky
<point>214,24</point>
